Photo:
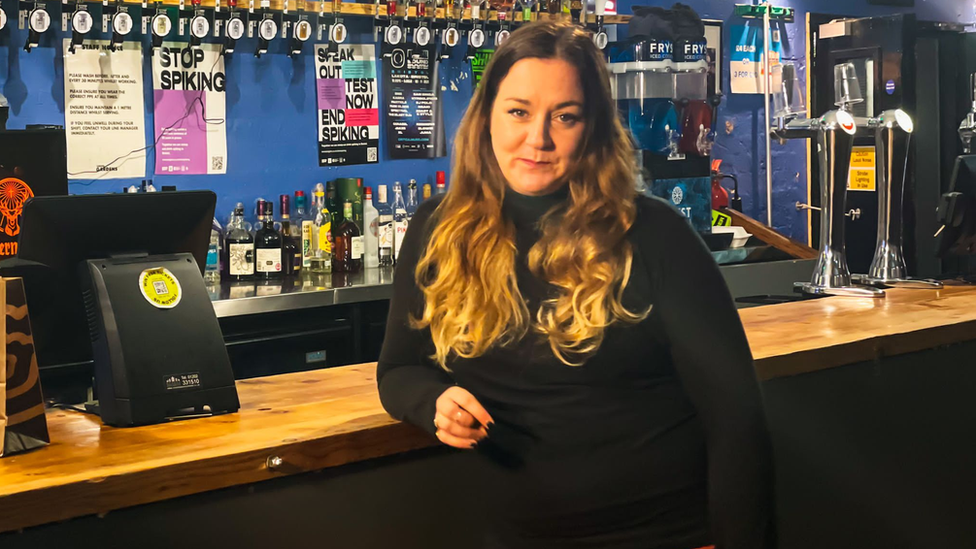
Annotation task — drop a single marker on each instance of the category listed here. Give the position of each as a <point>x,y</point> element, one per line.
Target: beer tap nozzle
<point>967,129</point>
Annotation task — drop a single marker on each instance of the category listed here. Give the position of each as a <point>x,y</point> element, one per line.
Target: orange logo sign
<point>13,194</point>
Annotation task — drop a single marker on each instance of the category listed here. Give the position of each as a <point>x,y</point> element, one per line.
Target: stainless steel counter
<point>307,292</point>
<point>304,292</point>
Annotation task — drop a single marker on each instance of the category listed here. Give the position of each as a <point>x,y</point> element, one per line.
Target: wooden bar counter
<point>332,420</point>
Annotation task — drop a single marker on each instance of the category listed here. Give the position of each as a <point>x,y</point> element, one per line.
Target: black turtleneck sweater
<point>658,441</point>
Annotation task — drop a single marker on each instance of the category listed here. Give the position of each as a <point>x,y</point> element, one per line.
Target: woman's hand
<point>461,420</point>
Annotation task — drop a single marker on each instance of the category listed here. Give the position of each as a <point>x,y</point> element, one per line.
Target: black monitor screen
<point>59,233</point>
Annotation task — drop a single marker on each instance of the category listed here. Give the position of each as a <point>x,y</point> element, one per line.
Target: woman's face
<point>537,124</point>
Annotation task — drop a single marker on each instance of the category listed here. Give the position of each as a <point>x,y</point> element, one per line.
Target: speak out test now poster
<point>348,109</point>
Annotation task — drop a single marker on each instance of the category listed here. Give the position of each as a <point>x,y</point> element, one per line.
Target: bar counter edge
<point>318,420</point>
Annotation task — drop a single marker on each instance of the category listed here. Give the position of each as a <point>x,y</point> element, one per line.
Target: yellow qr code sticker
<point>160,287</point>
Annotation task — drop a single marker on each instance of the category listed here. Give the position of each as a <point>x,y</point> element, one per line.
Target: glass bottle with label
<point>211,274</point>
<point>412,202</point>
<point>427,191</point>
<point>385,230</point>
<point>400,219</point>
<point>321,233</point>
<point>348,243</point>
<point>291,252</point>
<point>259,215</point>
<point>267,246</point>
<point>371,257</point>
<point>303,221</point>
<point>332,203</point>
<point>239,247</point>
<point>441,183</point>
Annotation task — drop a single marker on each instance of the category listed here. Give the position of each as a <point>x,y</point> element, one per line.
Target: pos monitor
<point>130,268</point>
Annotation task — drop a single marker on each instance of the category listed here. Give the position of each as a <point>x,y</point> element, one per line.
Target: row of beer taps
<point>398,23</point>
<point>834,134</point>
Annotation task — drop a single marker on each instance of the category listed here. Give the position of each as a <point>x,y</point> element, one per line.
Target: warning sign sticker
<point>863,170</point>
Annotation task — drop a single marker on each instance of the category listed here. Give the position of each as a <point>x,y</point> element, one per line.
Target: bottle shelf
<point>370,10</point>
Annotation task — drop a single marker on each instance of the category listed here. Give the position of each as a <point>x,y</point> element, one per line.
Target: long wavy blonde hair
<point>467,271</point>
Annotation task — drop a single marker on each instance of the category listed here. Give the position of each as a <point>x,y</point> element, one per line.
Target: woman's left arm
<point>714,363</point>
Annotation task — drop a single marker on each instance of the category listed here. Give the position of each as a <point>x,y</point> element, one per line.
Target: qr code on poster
<point>216,163</point>
<point>371,154</point>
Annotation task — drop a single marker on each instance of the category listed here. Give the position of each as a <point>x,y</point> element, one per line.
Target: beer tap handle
<point>968,126</point>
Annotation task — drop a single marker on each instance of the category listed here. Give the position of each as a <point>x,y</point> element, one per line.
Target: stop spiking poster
<point>349,119</point>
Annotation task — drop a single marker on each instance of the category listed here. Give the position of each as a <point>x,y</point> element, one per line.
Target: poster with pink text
<point>189,110</point>
<point>348,110</point>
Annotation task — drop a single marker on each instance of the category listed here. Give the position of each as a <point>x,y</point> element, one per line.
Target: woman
<point>575,334</point>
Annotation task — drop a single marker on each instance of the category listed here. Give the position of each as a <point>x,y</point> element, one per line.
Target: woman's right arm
<point>409,381</point>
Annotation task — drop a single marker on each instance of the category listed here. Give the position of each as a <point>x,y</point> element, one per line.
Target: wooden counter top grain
<point>796,338</point>
<point>327,418</point>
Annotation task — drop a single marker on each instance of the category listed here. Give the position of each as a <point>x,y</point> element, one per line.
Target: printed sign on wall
<point>104,116</point>
<point>349,116</point>
<point>189,109</point>
<point>478,66</point>
<point>746,58</point>
<point>411,88</point>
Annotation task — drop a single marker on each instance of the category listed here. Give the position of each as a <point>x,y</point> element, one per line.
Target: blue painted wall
<point>271,116</point>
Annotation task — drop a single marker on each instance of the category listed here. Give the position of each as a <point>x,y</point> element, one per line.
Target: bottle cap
<point>440,178</point>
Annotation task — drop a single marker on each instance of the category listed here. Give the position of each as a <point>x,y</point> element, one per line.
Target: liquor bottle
<point>385,229</point>
<point>359,207</point>
<point>441,180</point>
<point>259,215</point>
<point>400,219</point>
<point>321,233</point>
<point>348,243</point>
<point>371,254</point>
<point>303,220</point>
<point>426,194</point>
<point>291,251</point>
<point>267,246</point>
<point>239,244</point>
<point>211,274</point>
<point>332,203</point>
<point>412,198</point>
